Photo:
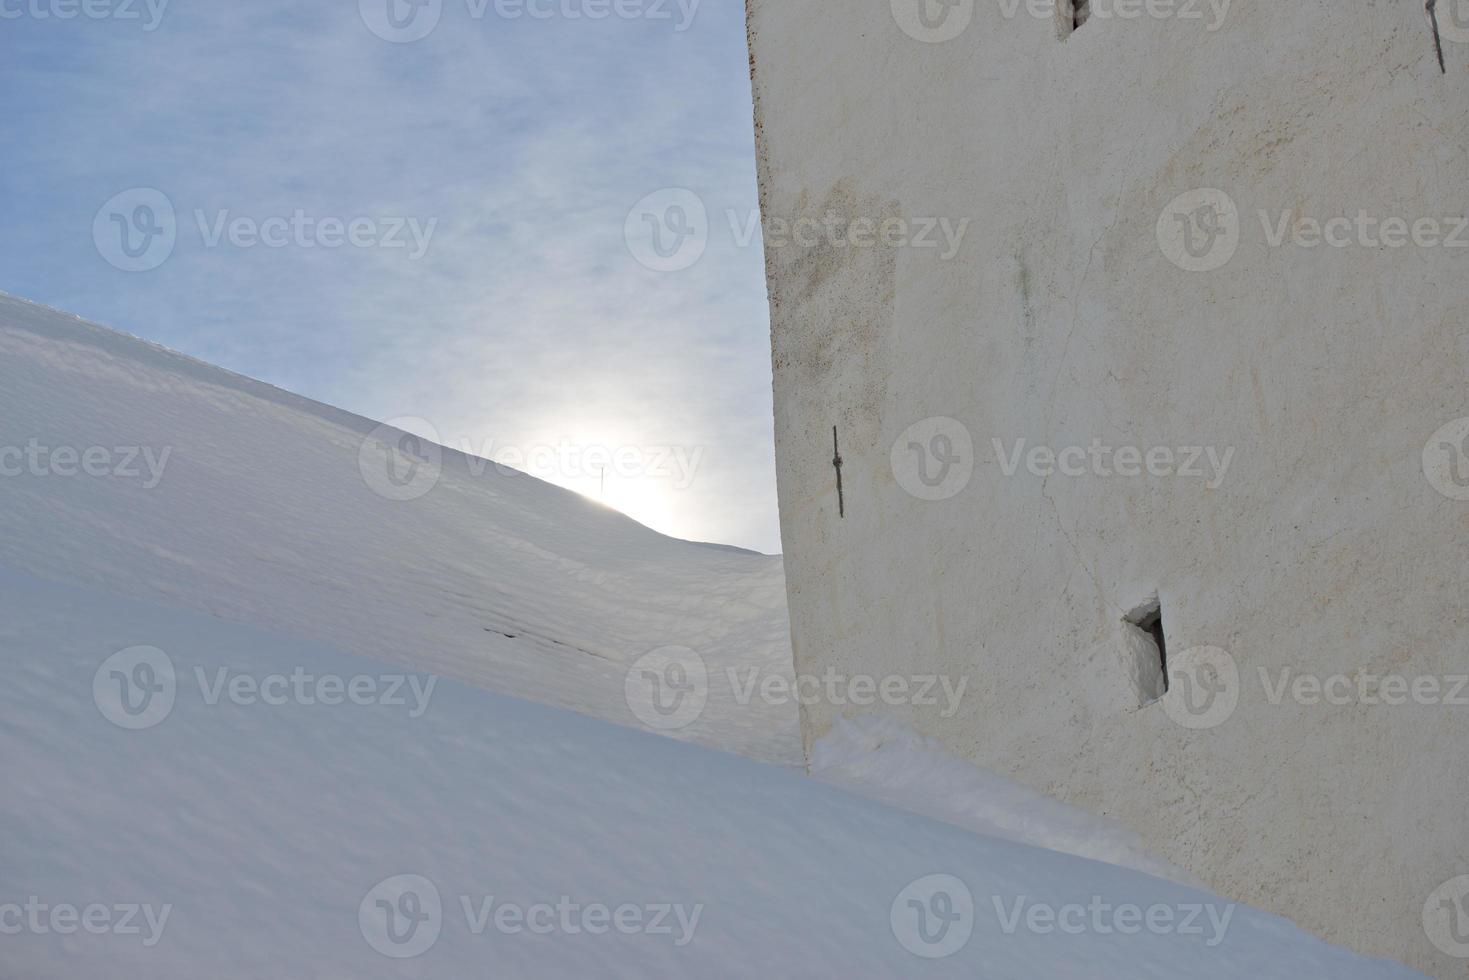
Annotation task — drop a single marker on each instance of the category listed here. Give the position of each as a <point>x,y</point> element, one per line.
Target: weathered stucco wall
<point>1090,299</point>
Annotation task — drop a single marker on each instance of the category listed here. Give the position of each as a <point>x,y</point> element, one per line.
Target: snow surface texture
<point>183,799</point>
<point>305,841</point>
<point>273,510</point>
<point>880,759</point>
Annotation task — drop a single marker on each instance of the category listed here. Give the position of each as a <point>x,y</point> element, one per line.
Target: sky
<point>527,228</point>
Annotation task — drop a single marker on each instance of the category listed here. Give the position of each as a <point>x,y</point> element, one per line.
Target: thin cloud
<point>526,322</point>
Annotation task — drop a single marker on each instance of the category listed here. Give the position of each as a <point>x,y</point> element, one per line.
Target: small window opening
<point>1148,645</point>
<point>1152,624</point>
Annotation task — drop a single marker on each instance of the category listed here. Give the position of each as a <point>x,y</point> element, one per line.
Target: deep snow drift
<point>880,759</point>
<point>262,507</point>
<point>216,765</point>
<point>493,837</point>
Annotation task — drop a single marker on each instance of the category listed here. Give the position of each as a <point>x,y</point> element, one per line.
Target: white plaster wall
<point>1324,550</point>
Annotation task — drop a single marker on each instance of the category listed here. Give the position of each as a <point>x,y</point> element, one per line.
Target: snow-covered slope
<point>215,763</point>
<point>874,755</point>
<point>493,837</point>
<point>261,507</point>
